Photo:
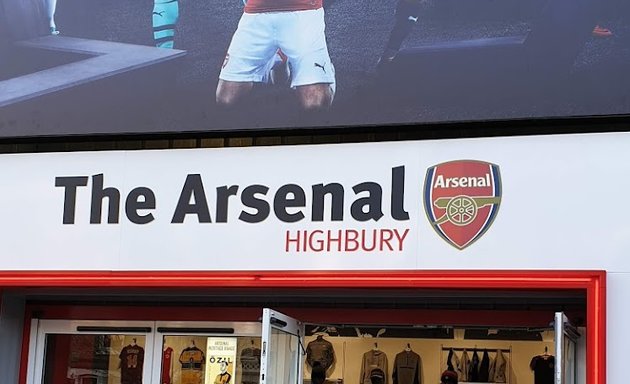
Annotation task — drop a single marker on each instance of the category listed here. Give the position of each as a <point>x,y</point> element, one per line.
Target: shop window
<point>203,359</point>
<point>94,359</point>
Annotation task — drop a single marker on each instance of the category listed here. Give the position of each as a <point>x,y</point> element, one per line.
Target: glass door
<point>282,354</point>
<point>84,352</point>
<point>144,352</point>
<point>566,336</point>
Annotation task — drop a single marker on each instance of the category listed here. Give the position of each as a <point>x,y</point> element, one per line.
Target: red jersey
<point>261,6</point>
<point>167,361</point>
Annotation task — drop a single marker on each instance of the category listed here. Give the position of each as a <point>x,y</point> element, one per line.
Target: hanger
<point>546,354</point>
<point>133,342</point>
<point>192,344</point>
<point>408,347</point>
<point>375,347</point>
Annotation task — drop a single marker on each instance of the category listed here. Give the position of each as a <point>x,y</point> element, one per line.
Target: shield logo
<point>461,199</point>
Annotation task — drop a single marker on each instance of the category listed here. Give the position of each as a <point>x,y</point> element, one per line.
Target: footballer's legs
<point>303,40</point>
<point>231,93</point>
<point>407,13</point>
<point>248,59</point>
<point>315,97</point>
<point>51,8</point>
<point>165,15</point>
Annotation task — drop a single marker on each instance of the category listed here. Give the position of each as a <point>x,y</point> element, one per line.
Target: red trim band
<point>594,282</point>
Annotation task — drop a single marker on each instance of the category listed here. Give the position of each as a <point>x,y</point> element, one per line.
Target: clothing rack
<point>470,349</point>
<point>460,349</point>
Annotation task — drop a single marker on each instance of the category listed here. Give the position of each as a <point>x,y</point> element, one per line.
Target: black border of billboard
<point>318,135</point>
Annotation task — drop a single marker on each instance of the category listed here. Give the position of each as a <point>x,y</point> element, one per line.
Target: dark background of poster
<point>356,32</point>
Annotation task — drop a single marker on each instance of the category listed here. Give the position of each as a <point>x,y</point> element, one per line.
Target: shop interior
<point>193,337</point>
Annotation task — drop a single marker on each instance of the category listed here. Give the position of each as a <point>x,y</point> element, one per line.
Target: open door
<point>566,351</point>
<point>282,351</point>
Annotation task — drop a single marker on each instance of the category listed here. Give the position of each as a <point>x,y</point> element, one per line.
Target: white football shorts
<point>299,34</point>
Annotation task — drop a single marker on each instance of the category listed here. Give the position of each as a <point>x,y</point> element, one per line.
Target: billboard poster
<point>221,355</point>
<point>88,67</point>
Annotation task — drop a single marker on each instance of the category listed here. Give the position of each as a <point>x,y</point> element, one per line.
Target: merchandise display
<point>422,360</point>
<point>167,365</point>
<point>320,350</point>
<point>498,367</point>
<point>131,363</point>
<point>200,359</point>
<point>453,362</point>
<point>407,368</point>
<point>544,368</point>
<point>192,360</point>
<point>250,364</point>
<point>464,365</point>
<point>490,368</point>
<point>373,359</point>
<point>484,367</point>
<point>473,369</point>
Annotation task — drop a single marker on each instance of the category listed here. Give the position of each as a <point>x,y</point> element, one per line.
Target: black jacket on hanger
<point>484,367</point>
<point>473,370</point>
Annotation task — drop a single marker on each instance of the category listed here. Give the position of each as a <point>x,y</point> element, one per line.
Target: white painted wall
<point>562,207</point>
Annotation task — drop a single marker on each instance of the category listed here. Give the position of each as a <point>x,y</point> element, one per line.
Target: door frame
<point>593,283</point>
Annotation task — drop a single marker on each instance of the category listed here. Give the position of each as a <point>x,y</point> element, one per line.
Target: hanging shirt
<point>320,350</point>
<point>473,369</point>
<point>407,368</point>
<point>484,367</point>
<point>452,362</point>
<point>131,363</point>
<point>192,360</point>
<point>464,366</point>
<point>372,359</point>
<point>499,368</point>
<point>544,367</point>
<point>250,365</point>
<point>167,363</point>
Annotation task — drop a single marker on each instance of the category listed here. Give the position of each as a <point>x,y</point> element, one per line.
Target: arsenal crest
<point>461,199</point>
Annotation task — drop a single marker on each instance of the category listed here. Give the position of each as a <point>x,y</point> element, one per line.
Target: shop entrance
<point>415,354</point>
<point>282,349</point>
<point>431,314</point>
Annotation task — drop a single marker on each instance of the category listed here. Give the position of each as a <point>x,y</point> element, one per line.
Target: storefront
<point>251,265</point>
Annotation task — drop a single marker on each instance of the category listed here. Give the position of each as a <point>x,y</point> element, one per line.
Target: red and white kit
<point>259,6</point>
